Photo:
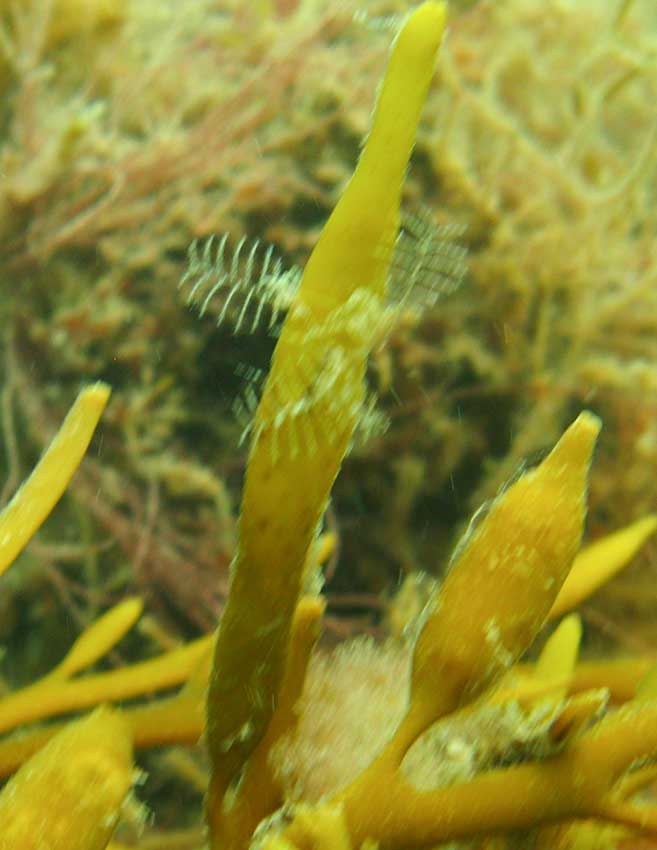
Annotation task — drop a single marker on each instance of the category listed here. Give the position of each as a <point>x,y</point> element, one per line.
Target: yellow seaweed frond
<point>599,562</point>
<point>34,501</point>
<point>506,575</point>
<point>69,796</point>
<point>50,697</point>
<point>506,578</point>
<point>310,406</point>
<point>559,655</point>
<point>99,638</point>
<point>260,791</point>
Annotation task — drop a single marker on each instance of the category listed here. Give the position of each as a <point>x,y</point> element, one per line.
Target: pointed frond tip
<point>21,518</point>
<point>245,285</point>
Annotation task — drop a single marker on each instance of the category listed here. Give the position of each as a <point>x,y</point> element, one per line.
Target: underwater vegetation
<point>130,136</point>
<point>447,732</point>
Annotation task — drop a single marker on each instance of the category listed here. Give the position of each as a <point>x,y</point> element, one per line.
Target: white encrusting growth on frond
<point>324,357</point>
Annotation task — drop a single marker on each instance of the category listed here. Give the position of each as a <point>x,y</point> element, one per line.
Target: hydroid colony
<point>516,568</point>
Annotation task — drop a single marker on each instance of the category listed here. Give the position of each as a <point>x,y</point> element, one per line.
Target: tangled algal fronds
<point>477,722</point>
